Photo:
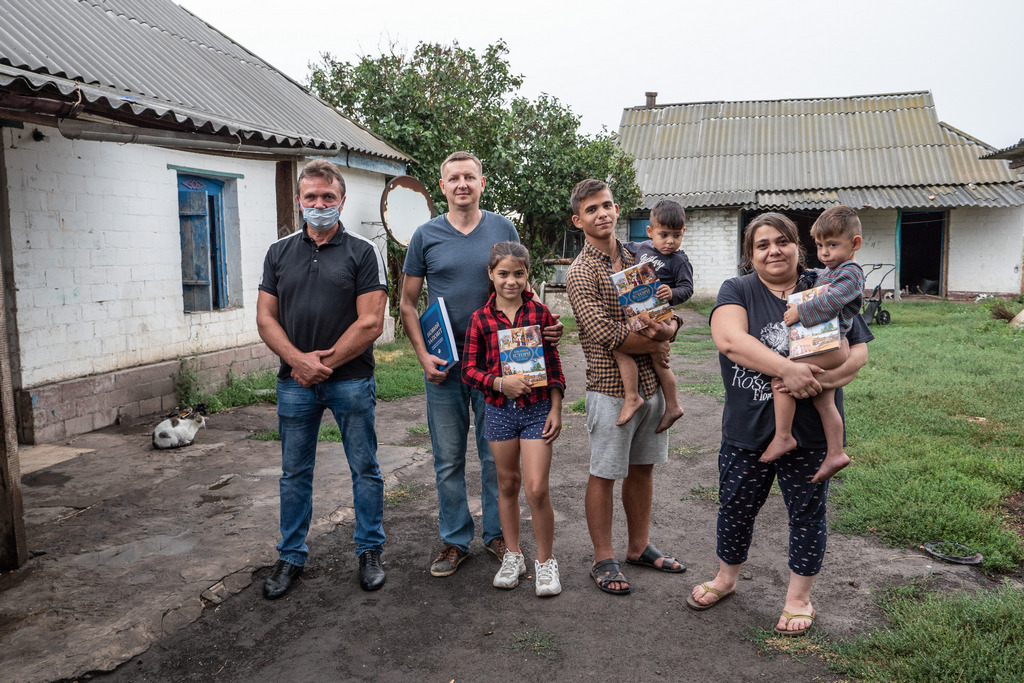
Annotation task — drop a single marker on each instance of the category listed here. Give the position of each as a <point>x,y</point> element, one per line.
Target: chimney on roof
<point>652,99</point>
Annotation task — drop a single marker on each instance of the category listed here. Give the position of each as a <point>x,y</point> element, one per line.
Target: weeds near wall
<point>187,386</point>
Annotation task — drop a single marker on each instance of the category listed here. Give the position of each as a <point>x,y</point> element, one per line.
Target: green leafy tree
<point>438,99</point>
<point>442,98</point>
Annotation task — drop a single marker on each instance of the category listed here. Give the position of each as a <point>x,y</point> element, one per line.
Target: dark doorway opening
<point>921,238</point>
<point>804,219</point>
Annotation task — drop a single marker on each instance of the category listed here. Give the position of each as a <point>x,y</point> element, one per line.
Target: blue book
<point>437,333</point>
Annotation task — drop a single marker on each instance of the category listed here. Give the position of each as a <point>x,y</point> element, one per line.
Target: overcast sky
<point>602,59</point>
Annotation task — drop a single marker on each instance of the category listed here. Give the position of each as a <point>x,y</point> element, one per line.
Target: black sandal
<point>605,573</point>
<point>651,554</point>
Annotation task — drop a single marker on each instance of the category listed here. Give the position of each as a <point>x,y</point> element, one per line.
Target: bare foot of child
<point>779,446</point>
<point>629,409</point>
<point>831,465</point>
<point>669,419</point>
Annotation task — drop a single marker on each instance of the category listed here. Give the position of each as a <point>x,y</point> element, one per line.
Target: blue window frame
<point>204,277</point>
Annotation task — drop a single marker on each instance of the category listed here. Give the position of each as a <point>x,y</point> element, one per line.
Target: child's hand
<point>514,386</point>
<point>664,292</point>
<point>552,426</point>
<point>792,316</point>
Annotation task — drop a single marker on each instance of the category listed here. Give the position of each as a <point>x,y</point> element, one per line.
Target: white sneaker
<point>513,565</point>
<point>547,577</point>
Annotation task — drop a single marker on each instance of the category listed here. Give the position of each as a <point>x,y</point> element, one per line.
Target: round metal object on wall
<point>405,205</point>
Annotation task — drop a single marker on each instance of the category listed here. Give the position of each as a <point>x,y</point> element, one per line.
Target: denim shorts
<point>509,421</point>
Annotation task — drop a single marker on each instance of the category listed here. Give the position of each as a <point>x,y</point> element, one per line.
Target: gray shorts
<point>613,449</point>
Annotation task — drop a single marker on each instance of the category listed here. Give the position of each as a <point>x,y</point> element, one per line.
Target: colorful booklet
<point>437,333</point>
<point>636,287</point>
<point>522,353</point>
<point>810,341</point>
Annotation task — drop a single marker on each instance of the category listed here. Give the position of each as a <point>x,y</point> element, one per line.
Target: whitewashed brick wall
<point>712,243</point>
<point>878,229</point>
<point>986,247</point>
<point>97,256</point>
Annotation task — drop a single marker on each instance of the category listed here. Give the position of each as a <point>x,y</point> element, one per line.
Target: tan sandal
<point>694,605</point>
<point>800,631</point>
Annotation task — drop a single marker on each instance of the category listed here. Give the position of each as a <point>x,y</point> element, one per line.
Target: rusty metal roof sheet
<point>891,145</point>
<point>154,61</point>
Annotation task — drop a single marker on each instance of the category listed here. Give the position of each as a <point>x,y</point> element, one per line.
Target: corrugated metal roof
<point>1011,152</point>
<point>928,197</point>
<point>158,61</point>
<point>890,148</point>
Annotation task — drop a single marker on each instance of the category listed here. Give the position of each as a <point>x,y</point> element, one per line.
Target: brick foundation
<point>53,412</point>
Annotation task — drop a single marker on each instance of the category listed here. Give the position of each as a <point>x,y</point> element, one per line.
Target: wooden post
<point>13,548</point>
<point>287,188</point>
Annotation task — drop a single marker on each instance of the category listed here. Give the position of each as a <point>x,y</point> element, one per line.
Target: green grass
<point>925,466</point>
<point>955,638</point>
<point>543,644</point>
<point>686,345</point>
<point>702,305</point>
<point>706,383</point>
<point>245,391</point>
<point>398,494</point>
<point>239,390</point>
<point>398,372</point>
<point>701,492</point>
<point>419,430</point>
<point>578,407</point>
<point>328,432</point>
<point>935,430</point>
<point>265,435</point>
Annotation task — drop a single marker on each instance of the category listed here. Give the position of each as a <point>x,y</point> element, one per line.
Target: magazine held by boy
<point>636,286</point>
<point>810,341</point>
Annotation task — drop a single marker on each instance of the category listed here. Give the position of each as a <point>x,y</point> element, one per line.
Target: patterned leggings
<point>743,486</point>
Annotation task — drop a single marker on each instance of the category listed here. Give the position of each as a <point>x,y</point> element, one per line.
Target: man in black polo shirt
<point>320,308</point>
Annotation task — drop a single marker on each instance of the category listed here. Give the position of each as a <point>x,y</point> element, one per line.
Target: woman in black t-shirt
<point>753,344</point>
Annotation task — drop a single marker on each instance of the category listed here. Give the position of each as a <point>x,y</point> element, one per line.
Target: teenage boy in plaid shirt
<point>626,452</point>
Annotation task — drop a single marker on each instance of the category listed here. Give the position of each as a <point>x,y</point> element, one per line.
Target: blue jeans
<point>299,411</point>
<point>448,413</point>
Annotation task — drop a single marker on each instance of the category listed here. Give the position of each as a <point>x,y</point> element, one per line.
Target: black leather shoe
<point>280,580</point>
<point>371,573</point>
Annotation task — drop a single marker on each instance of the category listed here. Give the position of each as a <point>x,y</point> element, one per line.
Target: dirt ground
<point>460,628</point>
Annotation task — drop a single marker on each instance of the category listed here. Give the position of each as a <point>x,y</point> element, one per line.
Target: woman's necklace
<point>780,293</point>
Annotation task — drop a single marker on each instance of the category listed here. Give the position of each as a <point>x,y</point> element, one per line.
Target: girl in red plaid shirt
<point>521,420</point>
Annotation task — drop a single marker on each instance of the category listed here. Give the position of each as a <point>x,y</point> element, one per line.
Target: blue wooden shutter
<point>638,229</point>
<point>195,251</point>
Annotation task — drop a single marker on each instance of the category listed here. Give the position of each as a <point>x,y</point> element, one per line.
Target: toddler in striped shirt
<point>837,235</point>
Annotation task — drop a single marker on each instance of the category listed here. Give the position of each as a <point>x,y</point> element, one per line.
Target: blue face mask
<point>321,220</point>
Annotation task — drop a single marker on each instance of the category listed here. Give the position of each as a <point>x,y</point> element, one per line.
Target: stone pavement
<point>129,543</point>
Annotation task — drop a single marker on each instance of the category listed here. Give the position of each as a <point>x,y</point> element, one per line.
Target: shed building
<point>950,222</point>
<point>147,162</point>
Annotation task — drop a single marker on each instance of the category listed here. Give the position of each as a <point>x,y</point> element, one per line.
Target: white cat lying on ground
<point>175,432</point>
